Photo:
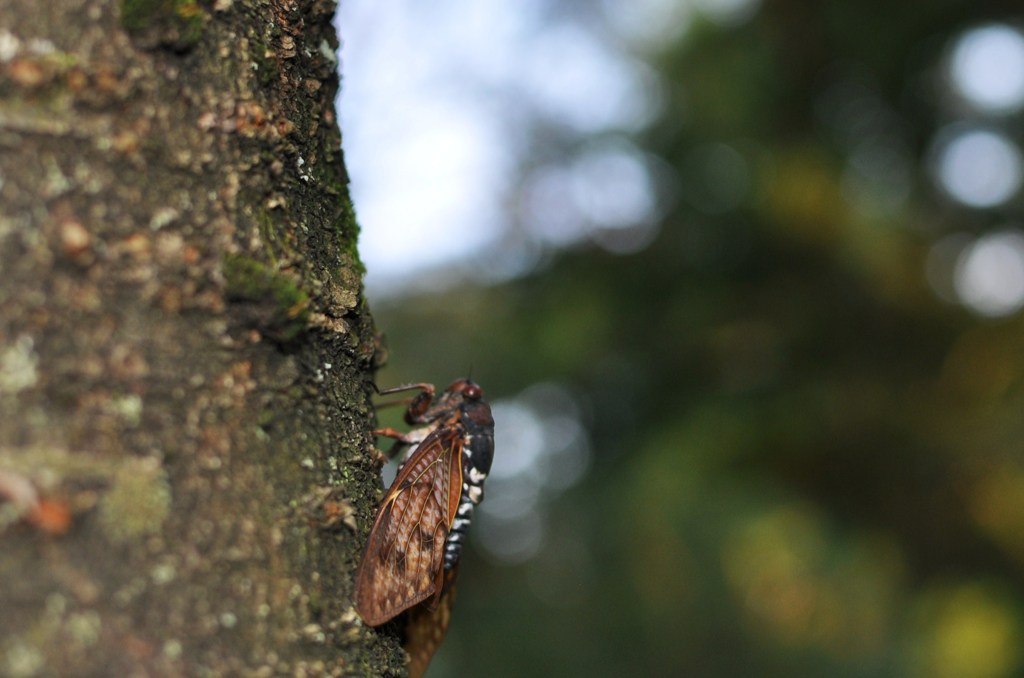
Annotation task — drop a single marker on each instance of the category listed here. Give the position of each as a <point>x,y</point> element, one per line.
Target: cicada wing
<point>404,558</point>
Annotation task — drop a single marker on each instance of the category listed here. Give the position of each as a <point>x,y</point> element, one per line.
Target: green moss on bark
<point>281,306</point>
<point>175,23</point>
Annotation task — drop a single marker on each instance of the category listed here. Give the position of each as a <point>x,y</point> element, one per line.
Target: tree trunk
<point>186,467</point>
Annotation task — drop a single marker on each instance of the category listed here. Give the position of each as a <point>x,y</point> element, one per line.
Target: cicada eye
<point>472,391</point>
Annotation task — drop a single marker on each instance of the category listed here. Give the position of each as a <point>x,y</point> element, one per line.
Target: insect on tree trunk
<point>186,470</point>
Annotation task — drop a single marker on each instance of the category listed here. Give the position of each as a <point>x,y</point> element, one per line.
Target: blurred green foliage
<point>804,462</point>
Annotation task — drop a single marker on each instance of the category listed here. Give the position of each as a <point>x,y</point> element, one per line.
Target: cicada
<point>414,546</point>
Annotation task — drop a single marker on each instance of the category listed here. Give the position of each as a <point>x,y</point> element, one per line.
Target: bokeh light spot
<point>548,217</point>
<point>577,79</point>
<point>987,68</point>
<point>512,539</point>
<point>989,276</point>
<point>979,168</point>
<point>770,563</point>
<point>613,190</point>
<point>967,632</point>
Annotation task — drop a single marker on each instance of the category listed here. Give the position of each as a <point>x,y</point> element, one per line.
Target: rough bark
<point>185,355</point>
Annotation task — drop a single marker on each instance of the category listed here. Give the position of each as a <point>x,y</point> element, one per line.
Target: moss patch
<point>172,23</point>
<point>349,229</point>
<point>277,305</point>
